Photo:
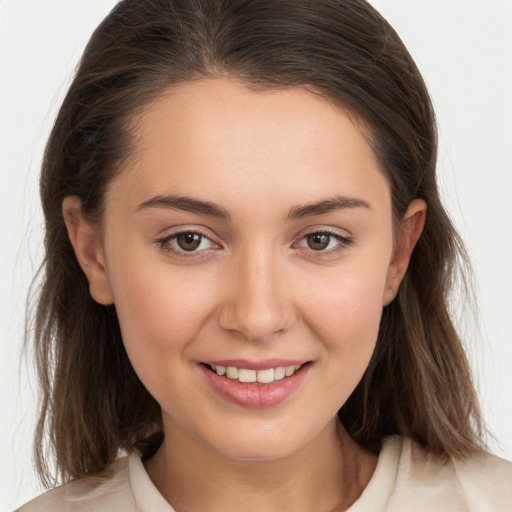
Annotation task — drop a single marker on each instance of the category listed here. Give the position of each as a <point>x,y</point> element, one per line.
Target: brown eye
<point>318,241</point>
<point>186,244</point>
<point>324,241</point>
<point>189,241</point>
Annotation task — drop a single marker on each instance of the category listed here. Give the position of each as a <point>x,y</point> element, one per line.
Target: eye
<point>186,242</point>
<point>189,241</point>
<point>324,241</point>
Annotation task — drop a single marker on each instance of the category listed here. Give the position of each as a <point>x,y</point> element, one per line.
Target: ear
<point>410,230</point>
<point>86,242</point>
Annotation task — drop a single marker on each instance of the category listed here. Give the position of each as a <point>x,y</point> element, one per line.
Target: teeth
<point>262,376</point>
<point>232,372</point>
<point>266,376</point>
<point>246,375</point>
<point>289,371</point>
<point>279,373</point>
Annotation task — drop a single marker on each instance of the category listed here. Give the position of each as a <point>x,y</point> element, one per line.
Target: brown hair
<point>418,383</point>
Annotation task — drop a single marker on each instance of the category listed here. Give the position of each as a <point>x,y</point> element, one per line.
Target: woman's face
<point>251,234</point>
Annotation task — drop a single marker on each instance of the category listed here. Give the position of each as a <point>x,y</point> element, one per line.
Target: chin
<point>259,443</point>
<point>262,452</point>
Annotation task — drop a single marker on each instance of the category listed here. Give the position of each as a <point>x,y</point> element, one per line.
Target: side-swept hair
<point>418,383</point>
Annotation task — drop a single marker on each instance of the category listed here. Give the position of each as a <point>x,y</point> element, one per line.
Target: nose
<point>257,302</point>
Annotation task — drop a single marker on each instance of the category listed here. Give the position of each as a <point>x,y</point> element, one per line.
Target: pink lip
<point>255,395</point>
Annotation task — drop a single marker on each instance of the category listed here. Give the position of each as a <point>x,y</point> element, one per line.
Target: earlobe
<point>410,231</point>
<point>85,240</point>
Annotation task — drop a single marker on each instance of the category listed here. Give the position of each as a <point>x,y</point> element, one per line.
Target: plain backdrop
<point>464,50</point>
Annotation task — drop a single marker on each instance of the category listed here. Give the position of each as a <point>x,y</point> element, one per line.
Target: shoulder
<point>486,480</point>
<point>480,482</point>
<point>103,493</point>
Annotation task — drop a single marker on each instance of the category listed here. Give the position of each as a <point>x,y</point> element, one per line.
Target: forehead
<point>217,137</point>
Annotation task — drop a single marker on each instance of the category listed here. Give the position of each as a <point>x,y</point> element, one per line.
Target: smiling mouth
<point>244,375</point>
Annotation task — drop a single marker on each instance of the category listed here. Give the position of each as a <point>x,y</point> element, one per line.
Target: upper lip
<point>256,365</point>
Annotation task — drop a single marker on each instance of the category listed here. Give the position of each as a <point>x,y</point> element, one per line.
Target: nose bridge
<point>257,303</point>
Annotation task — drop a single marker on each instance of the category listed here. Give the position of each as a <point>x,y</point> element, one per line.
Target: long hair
<point>418,383</point>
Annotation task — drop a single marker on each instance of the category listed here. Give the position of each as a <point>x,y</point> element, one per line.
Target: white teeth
<point>262,376</point>
<point>289,371</point>
<point>265,376</point>
<point>279,373</point>
<point>246,375</point>
<point>232,372</point>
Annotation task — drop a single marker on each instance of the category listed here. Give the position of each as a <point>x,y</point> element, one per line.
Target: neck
<point>327,474</point>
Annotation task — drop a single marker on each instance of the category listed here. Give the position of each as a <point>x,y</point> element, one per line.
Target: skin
<point>255,288</point>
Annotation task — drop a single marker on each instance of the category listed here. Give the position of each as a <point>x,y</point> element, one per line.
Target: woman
<point>247,267</point>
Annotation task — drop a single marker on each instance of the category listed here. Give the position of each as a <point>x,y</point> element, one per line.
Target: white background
<point>463,48</point>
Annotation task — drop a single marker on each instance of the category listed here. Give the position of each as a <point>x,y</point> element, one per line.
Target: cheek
<point>348,298</point>
<point>160,309</point>
<point>344,315</point>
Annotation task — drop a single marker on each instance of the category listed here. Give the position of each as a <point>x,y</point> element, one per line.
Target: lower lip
<point>255,395</point>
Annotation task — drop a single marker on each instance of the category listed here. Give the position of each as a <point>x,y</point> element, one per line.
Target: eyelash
<point>165,243</point>
<point>343,241</point>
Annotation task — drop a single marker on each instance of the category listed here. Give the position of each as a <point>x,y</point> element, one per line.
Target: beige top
<point>406,478</point>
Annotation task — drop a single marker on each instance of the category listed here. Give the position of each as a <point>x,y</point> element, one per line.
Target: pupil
<point>318,241</point>
<point>189,241</point>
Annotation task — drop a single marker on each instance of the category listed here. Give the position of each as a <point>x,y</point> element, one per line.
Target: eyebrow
<point>333,204</point>
<point>189,204</point>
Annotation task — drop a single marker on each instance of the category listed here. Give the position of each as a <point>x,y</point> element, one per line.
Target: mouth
<point>253,376</point>
<point>255,385</point>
